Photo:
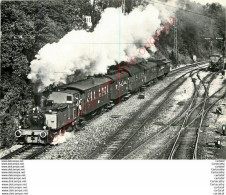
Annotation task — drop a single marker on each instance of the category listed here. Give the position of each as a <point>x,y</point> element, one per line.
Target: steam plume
<point>93,52</point>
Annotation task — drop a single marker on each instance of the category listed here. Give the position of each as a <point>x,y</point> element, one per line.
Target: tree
<point>26,27</point>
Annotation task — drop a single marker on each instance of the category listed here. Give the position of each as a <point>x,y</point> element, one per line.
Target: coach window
<point>91,97</point>
<point>69,99</point>
<point>102,91</point>
<point>88,96</point>
<point>99,93</point>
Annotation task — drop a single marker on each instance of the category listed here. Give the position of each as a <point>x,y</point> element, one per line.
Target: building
<point>88,21</point>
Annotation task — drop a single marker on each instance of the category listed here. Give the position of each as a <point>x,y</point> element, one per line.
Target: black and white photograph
<point>113,97</point>
<point>111,79</point>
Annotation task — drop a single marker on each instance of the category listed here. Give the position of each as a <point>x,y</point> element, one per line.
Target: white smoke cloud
<point>59,139</point>
<point>93,52</point>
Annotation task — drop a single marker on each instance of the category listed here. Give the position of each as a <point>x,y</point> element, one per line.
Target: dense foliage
<point>28,26</point>
<point>195,22</point>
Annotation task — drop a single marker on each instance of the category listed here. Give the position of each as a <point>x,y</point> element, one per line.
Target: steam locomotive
<point>216,63</point>
<point>71,105</point>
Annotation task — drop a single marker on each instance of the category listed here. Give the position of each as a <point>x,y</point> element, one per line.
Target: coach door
<point>76,105</point>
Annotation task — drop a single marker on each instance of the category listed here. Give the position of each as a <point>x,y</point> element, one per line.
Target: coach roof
<point>72,92</point>
<point>151,64</point>
<point>88,83</point>
<point>147,65</point>
<point>118,75</point>
<point>159,62</point>
<point>132,69</point>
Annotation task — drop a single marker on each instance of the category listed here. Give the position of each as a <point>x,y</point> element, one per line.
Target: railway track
<point>196,136</point>
<point>142,147</point>
<point>192,130</point>
<point>26,152</point>
<point>113,145</point>
<point>183,145</point>
<point>132,144</point>
<point>173,71</point>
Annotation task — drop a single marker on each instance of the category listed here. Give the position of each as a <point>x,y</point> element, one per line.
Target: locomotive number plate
<point>32,139</point>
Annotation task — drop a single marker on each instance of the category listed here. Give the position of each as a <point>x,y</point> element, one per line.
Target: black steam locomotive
<point>73,103</point>
<point>216,63</point>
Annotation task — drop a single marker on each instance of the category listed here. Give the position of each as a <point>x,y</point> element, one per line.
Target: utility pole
<point>124,7</point>
<point>175,42</point>
<point>211,47</point>
<point>0,77</point>
<point>93,14</point>
<point>0,66</point>
<point>223,50</point>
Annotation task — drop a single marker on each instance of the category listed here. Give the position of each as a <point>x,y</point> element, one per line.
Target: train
<point>216,63</point>
<point>72,104</point>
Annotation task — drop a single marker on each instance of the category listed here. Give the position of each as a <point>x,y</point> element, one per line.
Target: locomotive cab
<point>64,110</point>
